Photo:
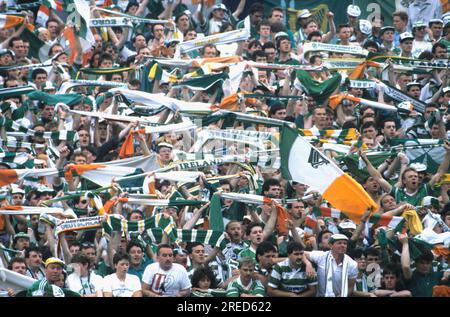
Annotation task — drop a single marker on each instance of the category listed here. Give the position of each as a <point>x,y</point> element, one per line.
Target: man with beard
<point>336,271</point>
<point>289,277</point>
<point>410,191</point>
<point>165,278</point>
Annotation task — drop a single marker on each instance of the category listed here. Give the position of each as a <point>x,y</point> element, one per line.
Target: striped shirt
<point>235,288</point>
<point>286,278</point>
<point>247,253</point>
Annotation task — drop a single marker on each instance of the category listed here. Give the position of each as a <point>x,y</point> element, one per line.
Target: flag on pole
<point>303,163</point>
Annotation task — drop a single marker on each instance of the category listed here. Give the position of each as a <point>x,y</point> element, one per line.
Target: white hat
<point>386,28</point>
<point>300,232</point>
<point>279,34</point>
<point>220,6</point>
<point>365,27</point>
<point>419,167</point>
<point>303,14</point>
<point>430,201</point>
<point>16,190</point>
<point>406,106</point>
<point>353,10</point>
<point>348,224</point>
<point>435,21</point>
<point>336,237</point>
<point>446,89</point>
<point>405,36</point>
<point>419,23</point>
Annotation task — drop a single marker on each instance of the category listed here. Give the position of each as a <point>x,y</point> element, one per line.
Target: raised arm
<point>375,174</point>
<point>405,257</point>
<point>443,167</point>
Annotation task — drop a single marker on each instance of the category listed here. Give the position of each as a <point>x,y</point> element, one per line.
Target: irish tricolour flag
<point>303,163</point>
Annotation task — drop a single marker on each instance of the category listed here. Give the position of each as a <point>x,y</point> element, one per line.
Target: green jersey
<point>415,199</point>
<point>235,288</point>
<point>247,253</point>
<point>288,279</point>
<point>43,288</point>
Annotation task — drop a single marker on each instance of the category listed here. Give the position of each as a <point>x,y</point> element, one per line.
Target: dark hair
<point>32,249</point>
<point>16,259</point>
<point>254,43</point>
<point>425,255</point>
<point>341,26</point>
<point>401,14</point>
<point>133,244</point>
<point>312,34</point>
<point>391,268</point>
<point>38,71</point>
<point>163,246</point>
<point>252,225</point>
<point>372,251</point>
<point>256,7</point>
<point>369,124</point>
<point>265,247</point>
<point>192,245</point>
<point>80,258</point>
<point>271,181</point>
<point>201,273</point>
<point>119,256</point>
<point>273,109</point>
<point>268,45</point>
<point>356,253</point>
<point>230,223</point>
<point>293,246</point>
<point>436,45</point>
<point>135,211</point>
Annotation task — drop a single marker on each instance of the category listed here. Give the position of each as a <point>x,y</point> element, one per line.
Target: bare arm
<point>443,167</point>
<point>375,174</point>
<point>405,257</point>
<point>197,213</point>
<point>330,34</point>
<point>239,9</point>
<point>270,225</point>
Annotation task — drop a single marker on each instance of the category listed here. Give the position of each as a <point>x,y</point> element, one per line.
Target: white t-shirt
<point>85,285</point>
<point>112,284</point>
<point>167,283</point>
<point>320,258</point>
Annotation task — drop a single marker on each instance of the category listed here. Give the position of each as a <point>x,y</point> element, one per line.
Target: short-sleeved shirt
<point>255,287</point>
<point>112,284</point>
<point>401,195</point>
<point>320,258</point>
<point>140,270</point>
<point>166,283</point>
<point>286,278</point>
<point>85,285</point>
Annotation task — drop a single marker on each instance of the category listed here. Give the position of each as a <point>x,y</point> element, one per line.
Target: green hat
<point>21,235</point>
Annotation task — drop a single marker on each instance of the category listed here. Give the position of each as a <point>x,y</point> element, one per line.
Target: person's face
<point>270,52</point>
<point>297,209</point>
<point>98,41</point>
<point>280,114</point>
<point>295,258</point>
<point>53,272</point>
<point>132,10</point>
<point>256,17</point>
<point>35,259</point>
<point>218,14</point>
<point>83,137</point>
<point>388,203</point>
<point>285,46</point>
<point>52,27</point>
<point>345,33</point>
<point>22,244</point>
<point>165,258</point>
<point>139,42</point>
<point>198,254</point>
<point>390,280</point>
<point>435,131</point>
<point>106,63</point>
<point>264,31</point>
<point>403,81</point>
<point>352,20</point>
<point>183,23</point>
<point>209,52</point>
<point>90,253</point>
<point>204,283</point>
<point>181,259</point>
<point>6,59</point>
<point>18,48</point>
<point>274,191</point>
<point>122,267</point>
<point>74,249</point>
<point>48,112</point>
<point>40,78</point>
<point>116,78</point>
<point>398,23</point>
<point>388,36</point>
<point>411,180</point>
<point>254,48</point>
<point>371,185</point>
<point>145,51</point>
<point>406,46</point>
<point>135,216</point>
<point>277,16</point>
<point>362,264</point>
<point>339,247</point>
<point>256,235</point>
<point>165,154</point>
<point>19,267</point>
<point>436,29</point>
<point>311,27</point>
<point>320,116</point>
<point>80,160</point>
<point>419,32</point>
<point>389,129</point>
<point>158,32</point>
<point>357,92</point>
<point>440,53</point>
<point>369,132</point>
<point>17,199</point>
<point>235,231</point>
<point>190,35</point>
<point>372,259</point>
<point>57,49</point>
<point>34,200</point>
<point>246,272</point>
<point>136,255</point>
<point>447,220</point>
<point>423,267</point>
<point>267,260</point>
<point>34,221</point>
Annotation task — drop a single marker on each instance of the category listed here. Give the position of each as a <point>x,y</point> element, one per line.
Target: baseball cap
<point>347,225</point>
<point>336,237</point>
<point>365,27</point>
<point>419,167</point>
<point>55,261</point>
<point>413,83</point>
<point>17,190</point>
<point>353,10</point>
<point>419,24</point>
<point>7,51</point>
<point>219,6</point>
<point>303,14</point>
<point>430,201</point>
<point>387,28</point>
<point>21,235</point>
<point>406,36</point>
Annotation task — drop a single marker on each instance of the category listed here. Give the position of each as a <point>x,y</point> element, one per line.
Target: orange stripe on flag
<point>69,35</point>
<point>8,176</point>
<point>281,220</point>
<point>11,21</point>
<point>80,169</point>
<point>127,148</point>
<point>347,194</point>
<point>10,207</point>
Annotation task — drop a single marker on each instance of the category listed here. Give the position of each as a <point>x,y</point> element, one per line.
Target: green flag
<point>319,90</point>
